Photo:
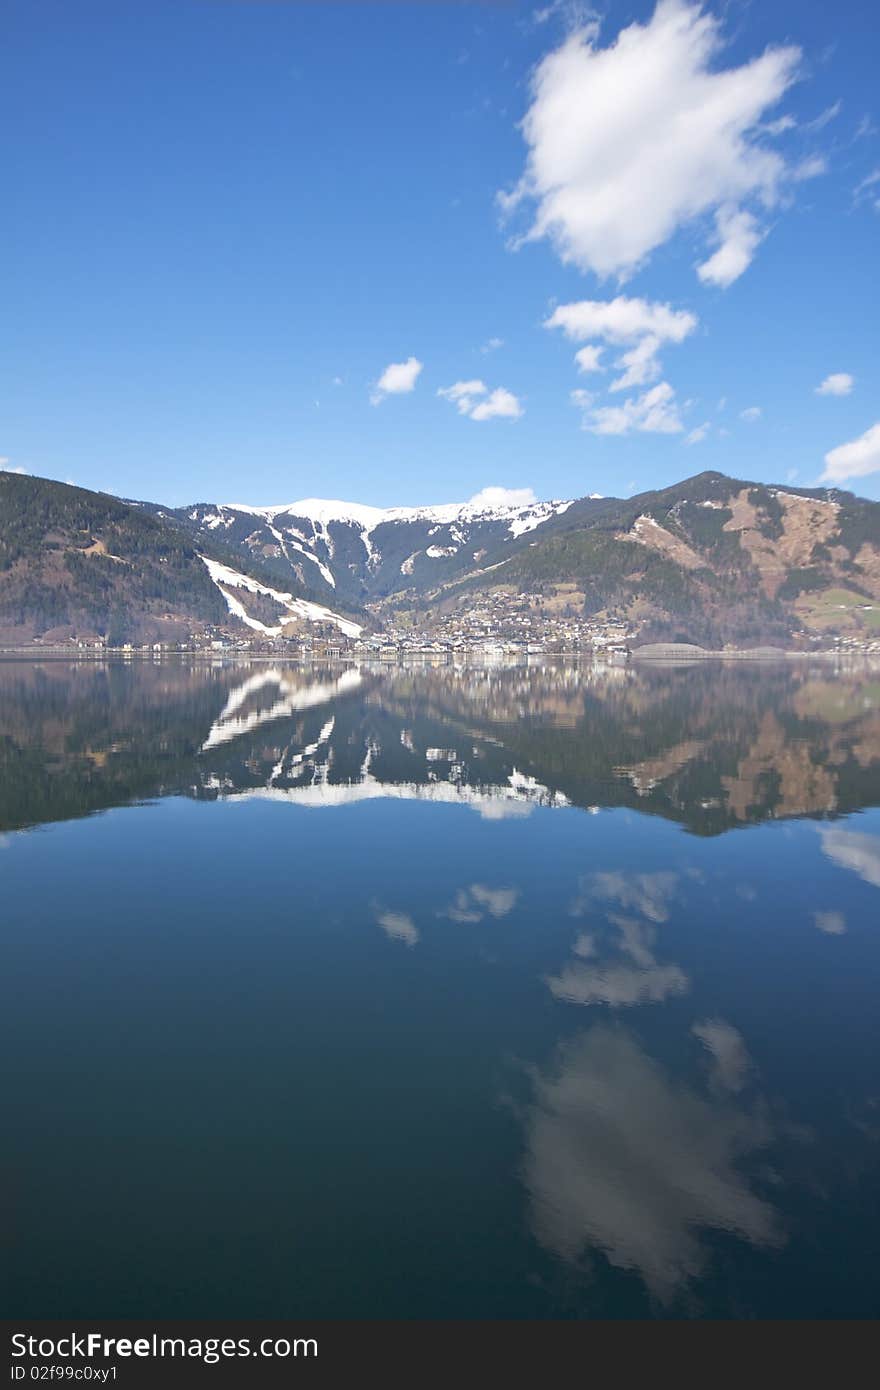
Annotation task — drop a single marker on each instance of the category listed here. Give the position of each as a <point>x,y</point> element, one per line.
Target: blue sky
<point>225,219</point>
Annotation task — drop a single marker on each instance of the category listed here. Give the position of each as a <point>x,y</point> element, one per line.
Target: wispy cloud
<point>478,402</point>
<point>478,901</point>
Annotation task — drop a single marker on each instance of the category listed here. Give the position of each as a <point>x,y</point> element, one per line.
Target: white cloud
<point>621,1159</point>
<point>399,926</point>
<point>474,399</point>
<point>739,236</point>
<point>853,850</point>
<point>649,894</point>
<point>837,384</point>
<point>732,1062</point>
<point>462,393</point>
<point>621,321</point>
<point>697,435</point>
<point>654,412</point>
<point>587,358</point>
<point>832,923</point>
<point>500,403</point>
<point>397,379</point>
<point>821,121</point>
<point>478,901</point>
<point>617,984</point>
<point>6,467</point>
<point>866,190</point>
<point>781,125</point>
<point>641,978</point>
<point>492,345</point>
<point>751,414</point>
<point>640,364</point>
<point>630,142</point>
<point>810,168</point>
<point>855,459</point>
<point>494,497</point>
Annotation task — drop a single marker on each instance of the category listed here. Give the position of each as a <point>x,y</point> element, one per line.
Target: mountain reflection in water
<point>711,747</point>
<point>512,1028</point>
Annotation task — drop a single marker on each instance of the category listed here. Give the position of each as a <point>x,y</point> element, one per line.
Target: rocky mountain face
<point>712,560</point>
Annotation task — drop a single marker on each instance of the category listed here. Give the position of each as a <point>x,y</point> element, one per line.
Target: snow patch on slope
<point>298,608</point>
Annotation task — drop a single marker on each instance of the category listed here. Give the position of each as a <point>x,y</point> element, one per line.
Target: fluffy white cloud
<point>399,926</point>
<point>855,459</point>
<point>853,850</point>
<point>832,923</point>
<point>500,403</point>
<point>397,379</point>
<point>837,384</point>
<point>623,1159</point>
<point>641,365</point>
<point>629,142</point>
<point>621,321</point>
<point>751,414</point>
<point>474,399</point>
<point>654,412</point>
<point>739,237</point>
<point>587,358</point>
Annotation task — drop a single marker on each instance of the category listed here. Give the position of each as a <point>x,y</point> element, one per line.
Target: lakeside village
<point>477,633</point>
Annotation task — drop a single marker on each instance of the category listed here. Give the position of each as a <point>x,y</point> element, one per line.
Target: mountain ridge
<point>711,559</point>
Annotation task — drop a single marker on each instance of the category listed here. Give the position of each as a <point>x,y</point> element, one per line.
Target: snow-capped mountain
<point>353,552</point>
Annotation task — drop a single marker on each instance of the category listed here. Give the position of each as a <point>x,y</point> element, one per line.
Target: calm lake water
<point>445,993</point>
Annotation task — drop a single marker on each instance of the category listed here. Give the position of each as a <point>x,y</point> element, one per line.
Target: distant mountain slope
<point>710,560</point>
<point>75,563</point>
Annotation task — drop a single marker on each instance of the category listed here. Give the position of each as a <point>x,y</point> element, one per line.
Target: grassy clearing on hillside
<point>838,608</point>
